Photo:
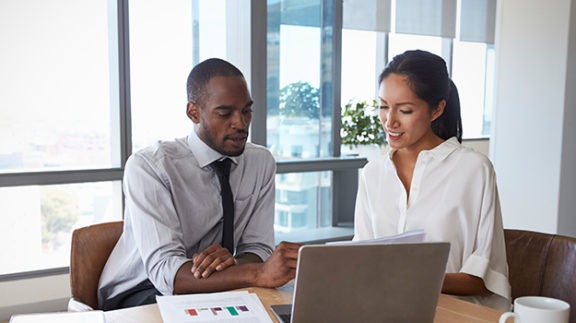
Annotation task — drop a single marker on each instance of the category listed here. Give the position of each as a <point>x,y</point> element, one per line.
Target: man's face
<point>223,115</point>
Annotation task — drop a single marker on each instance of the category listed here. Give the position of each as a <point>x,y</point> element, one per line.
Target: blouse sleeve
<point>488,260</point>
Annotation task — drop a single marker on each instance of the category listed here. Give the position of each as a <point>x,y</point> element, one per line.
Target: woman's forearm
<point>463,284</point>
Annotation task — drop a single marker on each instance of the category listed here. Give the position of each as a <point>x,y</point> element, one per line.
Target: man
<point>173,223</point>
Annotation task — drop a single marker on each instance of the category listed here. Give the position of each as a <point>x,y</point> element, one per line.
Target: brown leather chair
<point>91,247</point>
<point>542,264</point>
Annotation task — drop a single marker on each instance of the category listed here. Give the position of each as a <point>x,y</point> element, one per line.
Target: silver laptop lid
<point>369,283</point>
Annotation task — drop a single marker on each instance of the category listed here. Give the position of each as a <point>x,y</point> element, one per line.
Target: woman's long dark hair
<point>428,77</point>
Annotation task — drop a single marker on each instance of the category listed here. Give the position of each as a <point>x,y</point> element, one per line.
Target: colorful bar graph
<point>215,311</point>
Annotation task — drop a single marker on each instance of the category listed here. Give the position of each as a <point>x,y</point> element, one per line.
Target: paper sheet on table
<point>60,317</point>
<point>413,236</point>
<point>230,307</point>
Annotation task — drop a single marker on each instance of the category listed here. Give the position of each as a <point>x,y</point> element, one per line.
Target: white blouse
<point>453,197</point>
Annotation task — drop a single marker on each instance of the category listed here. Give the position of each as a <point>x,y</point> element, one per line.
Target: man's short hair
<point>203,72</point>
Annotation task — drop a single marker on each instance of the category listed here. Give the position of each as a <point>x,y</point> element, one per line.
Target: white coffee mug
<point>538,309</point>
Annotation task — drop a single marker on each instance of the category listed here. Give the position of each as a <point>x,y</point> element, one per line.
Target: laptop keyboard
<point>285,317</point>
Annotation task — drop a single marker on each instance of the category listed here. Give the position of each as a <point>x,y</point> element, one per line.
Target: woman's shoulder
<point>473,155</point>
<point>467,157</point>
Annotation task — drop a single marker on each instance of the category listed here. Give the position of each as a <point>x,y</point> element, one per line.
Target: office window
<point>472,69</point>
<point>462,32</point>
<point>302,201</point>
<point>59,127</point>
<point>85,84</point>
<point>160,60</point>
<point>299,112</point>
<point>359,76</point>
<point>37,221</point>
<point>166,40</point>
<point>56,109</point>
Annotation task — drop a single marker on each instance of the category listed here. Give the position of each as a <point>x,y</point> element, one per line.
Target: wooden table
<point>449,309</point>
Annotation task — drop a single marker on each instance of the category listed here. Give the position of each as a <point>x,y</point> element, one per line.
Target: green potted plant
<point>361,130</point>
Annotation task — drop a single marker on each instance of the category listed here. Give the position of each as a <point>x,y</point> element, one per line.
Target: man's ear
<point>193,112</point>
<point>439,110</point>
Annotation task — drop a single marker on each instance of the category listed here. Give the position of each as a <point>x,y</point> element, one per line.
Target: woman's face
<point>407,120</point>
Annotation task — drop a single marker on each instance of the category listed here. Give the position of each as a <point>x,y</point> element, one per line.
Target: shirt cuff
<point>494,281</point>
<point>165,283</point>
<point>261,250</point>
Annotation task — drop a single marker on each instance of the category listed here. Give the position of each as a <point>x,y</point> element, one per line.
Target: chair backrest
<point>542,264</point>
<point>91,247</point>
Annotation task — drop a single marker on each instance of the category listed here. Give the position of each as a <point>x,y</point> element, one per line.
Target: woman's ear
<point>438,110</point>
<point>192,111</point>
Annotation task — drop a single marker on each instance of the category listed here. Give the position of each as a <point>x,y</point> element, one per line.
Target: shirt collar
<point>444,149</point>
<point>203,153</point>
<point>439,152</point>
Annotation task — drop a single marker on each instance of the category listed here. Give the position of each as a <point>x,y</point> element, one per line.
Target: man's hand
<point>280,268</point>
<point>213,258</point>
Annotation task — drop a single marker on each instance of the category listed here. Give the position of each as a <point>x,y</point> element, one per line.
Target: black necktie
<point>222,169</point>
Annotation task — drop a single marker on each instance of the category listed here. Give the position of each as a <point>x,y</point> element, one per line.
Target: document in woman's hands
<point>413,236</point>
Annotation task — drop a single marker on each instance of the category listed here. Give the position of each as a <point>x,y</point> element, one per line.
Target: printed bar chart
<point>226,310</point>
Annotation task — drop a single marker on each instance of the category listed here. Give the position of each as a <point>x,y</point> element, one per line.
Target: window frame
<point>344,168</point>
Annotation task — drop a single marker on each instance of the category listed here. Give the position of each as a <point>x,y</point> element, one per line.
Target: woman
<point>430,181</point>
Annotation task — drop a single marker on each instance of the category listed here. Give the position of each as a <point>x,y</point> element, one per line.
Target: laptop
<point>367,283</point>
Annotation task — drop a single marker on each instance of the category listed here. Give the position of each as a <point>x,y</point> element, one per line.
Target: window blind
<point>477,21</point>
<point>370,15</point>
<point>426,17</point>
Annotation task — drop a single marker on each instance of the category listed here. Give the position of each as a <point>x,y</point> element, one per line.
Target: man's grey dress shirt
<point>173,210</point>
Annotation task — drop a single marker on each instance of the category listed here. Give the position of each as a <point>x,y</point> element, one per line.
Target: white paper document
<point>413,236</point>
<point>60,317</point>
<point>232,307</point>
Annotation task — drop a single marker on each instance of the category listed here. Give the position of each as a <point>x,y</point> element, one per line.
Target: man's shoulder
<point>161,149</point>
<point>257,151</point>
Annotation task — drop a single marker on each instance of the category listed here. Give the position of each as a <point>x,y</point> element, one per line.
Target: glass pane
<point>56,100</point>
<point>211,19</point>
<point>469,72</point>
<point>160,60</point>
<point>359,71</point>
<point>41,226</point>
<point>303,201</point>
<point>299,79</point>
<point>167,38</point>
<point>400,43</point>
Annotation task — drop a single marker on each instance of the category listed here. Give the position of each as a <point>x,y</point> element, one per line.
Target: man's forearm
<point>237,276</point>
<point>276,271</point>
<point>247,258</point>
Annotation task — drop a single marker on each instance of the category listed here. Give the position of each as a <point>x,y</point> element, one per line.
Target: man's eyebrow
<point>231,107</point>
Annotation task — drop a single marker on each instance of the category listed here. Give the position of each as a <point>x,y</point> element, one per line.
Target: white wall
<point>531,137</point>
